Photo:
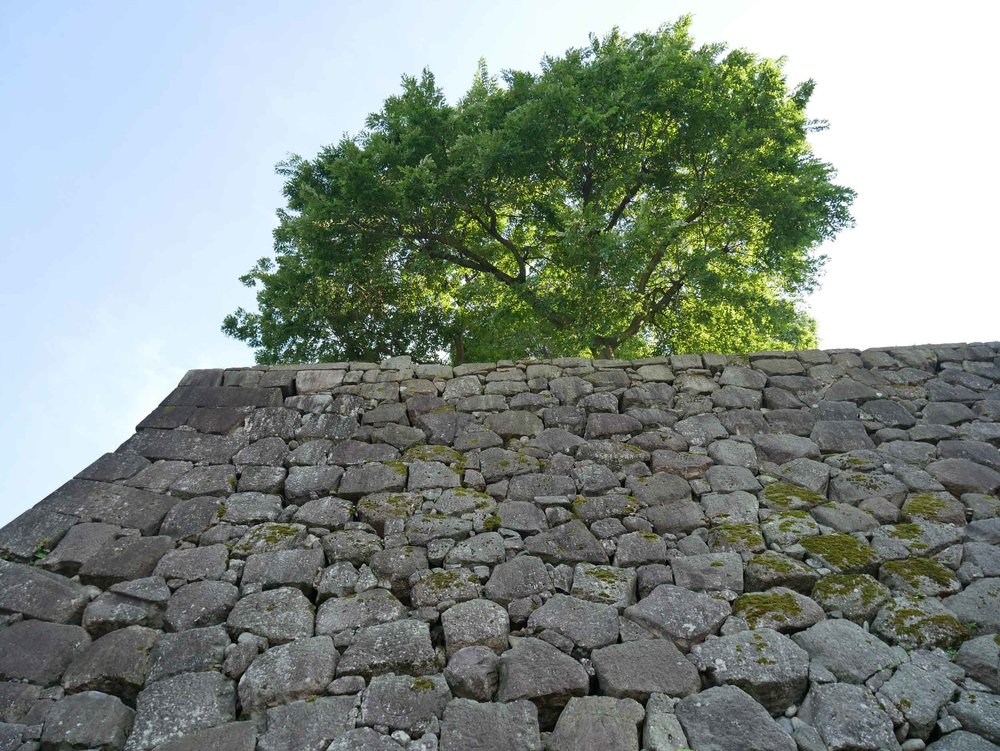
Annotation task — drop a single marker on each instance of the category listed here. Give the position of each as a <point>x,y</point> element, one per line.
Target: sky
<point>140,141</point>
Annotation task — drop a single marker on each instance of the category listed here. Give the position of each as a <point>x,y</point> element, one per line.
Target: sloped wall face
<point>775,551</point>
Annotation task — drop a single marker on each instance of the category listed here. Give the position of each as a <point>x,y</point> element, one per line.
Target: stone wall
<point>775,551</point>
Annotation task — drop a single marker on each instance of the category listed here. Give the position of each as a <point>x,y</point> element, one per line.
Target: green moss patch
<point>784,495</point>
<point>841,551</point>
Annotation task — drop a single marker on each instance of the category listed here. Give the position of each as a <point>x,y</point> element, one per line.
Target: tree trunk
<point>459,356</point>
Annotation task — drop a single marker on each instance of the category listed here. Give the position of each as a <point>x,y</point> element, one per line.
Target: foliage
<point>639,195</point>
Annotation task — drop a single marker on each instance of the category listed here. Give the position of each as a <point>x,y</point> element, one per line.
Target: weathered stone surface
<point>596,723</point>
<point>770,667</point>
<point>193,564</point>
<point>479,623</point>
<point>200,604</point>
<point>848,718</point>
<point>918,692</point>
<point>38,594</point>
<point>117,663</point>
<point>397,647</point>
<point>284,568</point>
<point>680,615</point>
<point>637,669</point>
<point>523,576</point>
<point>474,726</point>
<point>307,725</point>
<point>367,608</point>
<point>279,615</point>
<point>979,713</point>
<point>725,718</point>
<point>125,559</point>
<point>177,706</point>
<point>233,736</point>
<point>534,670</point>
<point>39,652</point>
<point>846,650</point>
<point>402,702</point>
<point>87,720</point>
<point>292,671</point>
<point>588,625</point>
<point>614,514</point>
<point>473,673</point>
<point>571,542</point>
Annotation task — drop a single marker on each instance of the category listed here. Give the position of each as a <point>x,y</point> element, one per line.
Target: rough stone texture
<point>725,718</point>
<point>768,666</point>
<point>637,669</point>
<point>848,718</point>
<point>458,558</point>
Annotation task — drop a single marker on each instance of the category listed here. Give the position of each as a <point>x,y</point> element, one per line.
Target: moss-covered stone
<point>842,553</point>
<point>919,624</point>
<point>736,538</point>
<point>921,576</point>
<point>784,496</point>
<point>855,596</point>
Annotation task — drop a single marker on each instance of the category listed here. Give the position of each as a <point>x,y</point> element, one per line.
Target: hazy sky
<point>140,138</point>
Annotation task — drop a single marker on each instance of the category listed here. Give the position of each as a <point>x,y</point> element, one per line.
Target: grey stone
<point>980,657</point>
<point>473,726</point>
<point>200,604</point>
<point>726,718</point>
<point>38,651</point>
<point>473,673</point>
<point>604,584</point>
<point>846,650</point>
<point>598,723</point>
<point>709,572</point>
<point>188,519</point>
<point>919,623</point>
<point>268,538</point>
<point>195,650</point>
<point>193,564</point>
<point>279,615</point>
<point>284,568</point>
<point>79,544</point>
<point>848,718</point>
<point>292,671</point>
<point>431,587</point>
<point>394,567</point>
<point>402,702</point>
<point>837,436</point>
<point>233,736</point>
<point>571,542</point>
<point>960,740</point>
<point>40,594</point>
<point>306,483</point>
<point>678,614</point>
<point>87,720</point>
<point>965,476</point>
<point>395,647</point>
<point>125,559</point>
<point>177,706</point>
<point>637,669</point>
<point>352,545</point>
<point>117,663</point>
<point>537,671</point>
<point>588,625</point>
<point>979,712</point>
<point>857,597</point>
<point>251,508</point>
<point>918,692</point>
<point>329,512</point>
<point>307,725</point>
<point>364,739</point>
<point>770,667</point>
<point>34,530</point>
<point>522,576</point>
<point>218,480</point>
<point>781,448</point>
<point>477,623</point>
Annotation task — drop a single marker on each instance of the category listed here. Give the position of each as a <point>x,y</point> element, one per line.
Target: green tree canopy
<point>639,195</point>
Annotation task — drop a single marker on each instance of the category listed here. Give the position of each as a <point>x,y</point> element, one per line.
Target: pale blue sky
<point>140,138</point>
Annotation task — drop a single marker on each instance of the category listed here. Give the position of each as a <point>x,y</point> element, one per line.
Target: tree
<point>640,195</point>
